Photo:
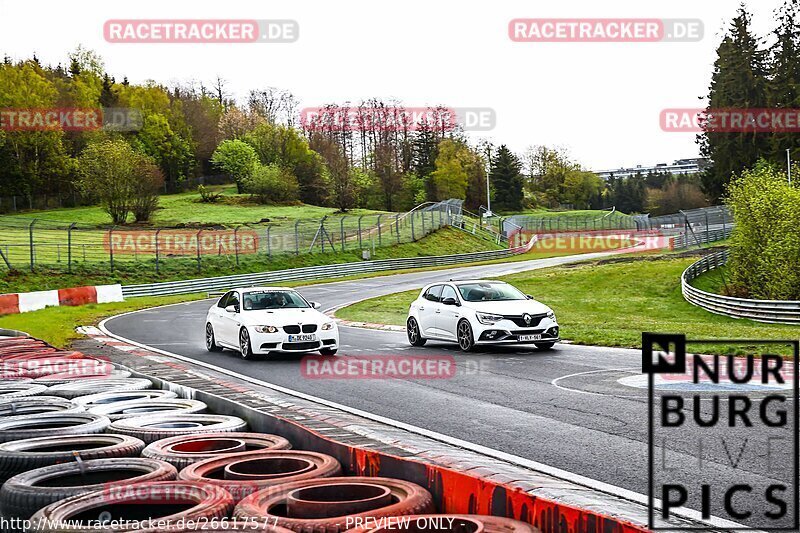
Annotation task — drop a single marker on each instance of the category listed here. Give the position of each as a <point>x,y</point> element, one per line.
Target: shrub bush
<point>272,184</point>
<point>765,245</point>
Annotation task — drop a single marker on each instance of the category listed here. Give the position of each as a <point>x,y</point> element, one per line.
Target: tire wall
<point>453,491</point>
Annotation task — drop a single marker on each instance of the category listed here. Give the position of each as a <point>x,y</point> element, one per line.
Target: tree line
<point>752,72</point>
<point>198,129</point>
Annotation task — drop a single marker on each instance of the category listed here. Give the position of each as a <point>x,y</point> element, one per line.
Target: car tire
<point>545,345</point>
<point>26,493</point>
<point>211,339</point>
<point>183,450</point>
<point>334,515</point>
<point>182,502</point>
<point>466,341</point>
<point>328,351</point>
<point>245,346</point>
<point>151,428</point>
<point>414,334</point>
<point>22,455</point>
<point>241,473</point>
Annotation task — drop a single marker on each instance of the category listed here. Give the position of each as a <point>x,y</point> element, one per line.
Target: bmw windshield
<point>489,292</point>
<point>265,300</point>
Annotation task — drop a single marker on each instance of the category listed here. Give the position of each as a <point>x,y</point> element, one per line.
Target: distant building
<point>681,166</point>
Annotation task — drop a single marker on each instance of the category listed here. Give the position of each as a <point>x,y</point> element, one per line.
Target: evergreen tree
<point>425,151</point>
<point>739,80</point>
<point>506,177</point>
<point>783,90</point>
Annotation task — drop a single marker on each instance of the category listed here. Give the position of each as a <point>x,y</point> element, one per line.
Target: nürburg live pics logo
<point>722,433</point>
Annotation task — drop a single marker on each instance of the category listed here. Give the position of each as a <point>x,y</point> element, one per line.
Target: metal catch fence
<point>29,242</point>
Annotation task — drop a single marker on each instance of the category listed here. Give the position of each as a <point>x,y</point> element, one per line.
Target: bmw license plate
<point>302,338</point>
<point>524,338</point>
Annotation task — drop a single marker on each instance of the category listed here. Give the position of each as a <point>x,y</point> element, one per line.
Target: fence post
<point>321,232</point>
<point>413,234</point>
<point>422,219</point>
<point>111,246</point>
<point>296,238</point>
<point>269,243</point>
<point>359,231</point>
<point>379,228</point>
<point>199,268</point>
<point>30,233</point>
<point>236,244</point>
<point>397,226</point>
<point>157,232</point>
<point>708,237</point>
<point>341,232</point>
<point>69,246</point>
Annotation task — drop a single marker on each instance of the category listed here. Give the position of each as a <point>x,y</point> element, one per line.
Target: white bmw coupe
<point>263,320</point>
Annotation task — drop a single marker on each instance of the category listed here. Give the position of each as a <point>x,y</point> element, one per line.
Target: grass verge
<point>606,304</point>
<point>56,325</point>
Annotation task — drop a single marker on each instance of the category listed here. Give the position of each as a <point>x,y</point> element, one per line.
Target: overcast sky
<point>601,101</point>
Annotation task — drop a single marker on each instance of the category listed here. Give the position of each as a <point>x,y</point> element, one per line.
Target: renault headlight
<point>326,326</point>
<point>487,318</point>
<point>551,315</point>
<point>265,329</point>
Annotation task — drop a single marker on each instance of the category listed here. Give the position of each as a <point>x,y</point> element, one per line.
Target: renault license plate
<point>528,338</point>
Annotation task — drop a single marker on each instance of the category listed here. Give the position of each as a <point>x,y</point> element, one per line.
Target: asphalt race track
<point>565,408</point>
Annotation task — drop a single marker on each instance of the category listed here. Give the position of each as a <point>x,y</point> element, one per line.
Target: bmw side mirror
<point>315,305</point>
<point>232,309</point>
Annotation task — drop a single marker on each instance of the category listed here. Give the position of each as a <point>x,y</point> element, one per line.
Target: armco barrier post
<point>30,244</point>
<point>69,246</point>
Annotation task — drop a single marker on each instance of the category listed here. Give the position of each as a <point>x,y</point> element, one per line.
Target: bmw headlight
<point>326,326</point>
<point>487,318</point>
<point>551,315</point>
<point>265,329</point>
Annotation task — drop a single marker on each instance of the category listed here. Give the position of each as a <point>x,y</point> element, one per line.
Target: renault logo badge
<point>527,318</point>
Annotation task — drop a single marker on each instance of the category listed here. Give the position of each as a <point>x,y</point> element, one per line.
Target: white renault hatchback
<point>474,312</point>
<point>263,320</point>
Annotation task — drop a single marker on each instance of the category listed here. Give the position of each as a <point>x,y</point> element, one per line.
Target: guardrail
<point>771,311</point>
<point>316,272</point>
<point>700,236</point>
